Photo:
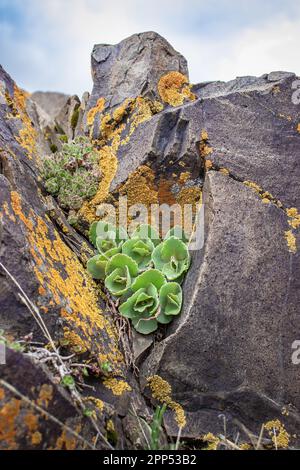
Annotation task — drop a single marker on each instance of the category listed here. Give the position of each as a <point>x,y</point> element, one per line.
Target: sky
<point>46,44</point>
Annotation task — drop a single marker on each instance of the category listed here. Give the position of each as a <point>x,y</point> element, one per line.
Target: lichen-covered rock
<point>132,68</point>
<point>36,413</point>
<point>43,258</point>
<point>230,351</point>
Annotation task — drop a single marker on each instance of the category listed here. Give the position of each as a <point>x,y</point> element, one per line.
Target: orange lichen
<point>174,89</point>
<point>161,390</point>
<point>2,394</point>
<point>45,395</point>
<point>76,343</point>
<point>117,386</point>
<point>99,404</point>
<point>31,421</point>
<point>67,441</point>
<point>298,128</point>
<point>8,425</point>
<point>73,291</point>
<point>140,187</point>
<point>94,111</point>
<point>27,135</point>
<point>108,164</point>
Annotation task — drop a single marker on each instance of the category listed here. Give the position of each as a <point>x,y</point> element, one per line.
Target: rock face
<point>235,146</point>
<point>50,102</point>
<point>132,68</point>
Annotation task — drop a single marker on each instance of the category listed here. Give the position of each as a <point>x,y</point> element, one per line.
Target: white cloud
<point>55,52</point>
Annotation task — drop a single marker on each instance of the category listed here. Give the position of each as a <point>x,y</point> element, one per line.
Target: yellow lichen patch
<point>108,164</point>
<point>278,433</point>
<point>97,402</point>
<point>184,177</point>
<point>253,185</point>
<point>36,438</point>
<point>57,269</point>
<point>94,111</point>
<point>205,149</point>
<point>27,135</point>
<point>76,343</point>
<point>117,386</point>
<point>294,217</point>
<point>298,128</point>
<point>291,241</point>
<point>161,390</point>
<point>245,446</point>
<point>224,171</point>
<point>2,394</point>
<point>8,423</point>
<point>174,89</point>
<point>211,440</point>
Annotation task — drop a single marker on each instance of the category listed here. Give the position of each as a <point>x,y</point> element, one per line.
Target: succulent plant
<point>126,266</point>
<point>172,258</point>
<point>143,304</point>
<point>139,250</point>
<point>96,266</point>
<point>120,271</point>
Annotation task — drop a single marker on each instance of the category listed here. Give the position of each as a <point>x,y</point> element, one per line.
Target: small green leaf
<point>96,266</point>
<point>151,276</point>
<point>120,270</point>
<point>144,326</point>
<point>68,381</point>
<point>142,304</point>
<point>120,261</point>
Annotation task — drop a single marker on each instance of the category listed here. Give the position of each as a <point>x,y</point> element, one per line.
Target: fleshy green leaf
<point>145,231</point>
<point>119,281</point>
<point>96,266</point>
<point>144,326</point>
<point>139,250</point>
<point>170,298</point>
<point>151,276</point>
<point>178,233</point>
<point>120,261</point>
<point>172,258</point>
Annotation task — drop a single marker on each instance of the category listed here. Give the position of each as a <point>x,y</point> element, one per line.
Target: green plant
<point>74,118</point>
<point>68,381</point>
<point>155,427</point>
<point>72,174</point>
<point>137,271</point>
<point>172,258</point>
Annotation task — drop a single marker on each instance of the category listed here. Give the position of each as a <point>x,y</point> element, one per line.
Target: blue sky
<point>46,44</point>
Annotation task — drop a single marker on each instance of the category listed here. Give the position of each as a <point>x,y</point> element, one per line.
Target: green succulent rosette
<point>170,301</point>
<point>145,231</point>
<point>143,304</point>
<point>120,271</point>
<point>139,250</point>
<point>172,258</point>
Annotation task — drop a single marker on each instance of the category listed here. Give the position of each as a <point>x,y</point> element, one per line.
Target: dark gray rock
<point>132,68</point>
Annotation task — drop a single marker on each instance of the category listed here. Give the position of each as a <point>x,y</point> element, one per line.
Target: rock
<point>234,337</point>
<point>50,102</point>
<point>131,69</point>
<point>43,260</point>
<point>36,413</point>
<point>67,120</point>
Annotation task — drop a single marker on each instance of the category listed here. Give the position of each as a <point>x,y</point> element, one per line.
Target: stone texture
<point>50,102</point>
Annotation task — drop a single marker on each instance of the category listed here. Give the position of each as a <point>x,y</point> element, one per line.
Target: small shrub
<point>137,271</point>
<point>72,174</point>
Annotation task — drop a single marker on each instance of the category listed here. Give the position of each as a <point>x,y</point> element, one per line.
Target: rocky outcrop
<point>234,146</point>
<point>50,102</point>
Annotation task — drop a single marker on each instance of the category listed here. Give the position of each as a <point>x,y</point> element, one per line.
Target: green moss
<point>63,138</point>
